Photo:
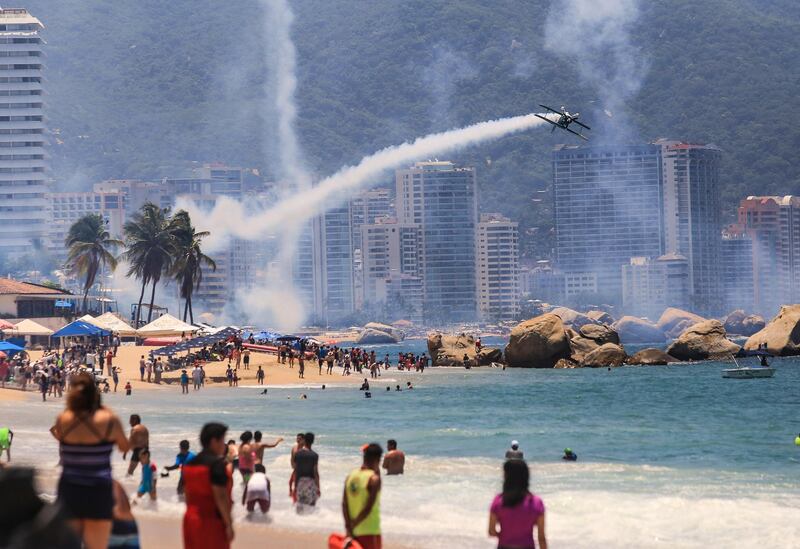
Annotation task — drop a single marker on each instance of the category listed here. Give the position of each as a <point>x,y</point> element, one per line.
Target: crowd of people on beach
<point>99,510</point>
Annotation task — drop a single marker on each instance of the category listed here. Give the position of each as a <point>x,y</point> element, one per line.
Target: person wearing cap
<point>361,501</point>
<point>569,455</point>
<point>514,452</point>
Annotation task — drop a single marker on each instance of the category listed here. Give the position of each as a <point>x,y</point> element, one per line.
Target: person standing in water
<point>514,452</point>
<point>306,475</point>
<point>259,446</point>
<point>208,481</point>
<point>361,501</point>
<point>516,510</point>
<point>138,440</point>
<point>87,433</point>
<point>394,461</point>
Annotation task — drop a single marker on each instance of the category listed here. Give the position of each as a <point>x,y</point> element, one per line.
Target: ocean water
<point>670,456</point>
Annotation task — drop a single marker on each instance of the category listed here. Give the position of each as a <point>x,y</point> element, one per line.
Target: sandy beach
<point>275,374</point>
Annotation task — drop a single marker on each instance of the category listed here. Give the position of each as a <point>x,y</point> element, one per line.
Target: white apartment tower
<point>23,206</point>
<point>498,282</point>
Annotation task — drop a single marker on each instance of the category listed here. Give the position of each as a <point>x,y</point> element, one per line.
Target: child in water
<point>148,483</point>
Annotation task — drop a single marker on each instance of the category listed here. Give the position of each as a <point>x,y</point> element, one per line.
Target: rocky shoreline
<point>565,338</point>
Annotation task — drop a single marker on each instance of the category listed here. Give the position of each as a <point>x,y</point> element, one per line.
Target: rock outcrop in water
<point>637,330</point>
<point>781,334</point>
<point>572,318</point>
<point>740,323</point>
<point>376,333</point>
<point>674,322</point>
<point>608,354</point>
<point>651,357</point>
<point>589,338</point>
<point>449,350</point>
<point>538,343</point>
<point>705,340</point>
<point>601,317</point>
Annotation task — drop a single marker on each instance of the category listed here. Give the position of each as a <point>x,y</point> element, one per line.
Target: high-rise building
<point>608,208</point>
<point>440,198</point>
<point>498,279</point>
<point>651,285</point>
<point>334,265</point>
<point>392,281</point>
<point>738,289</point>
<point>773,224</point>
<point>23,183</point>
<point>365,208</point>
<point>692,222</point>
<point>64,209</point>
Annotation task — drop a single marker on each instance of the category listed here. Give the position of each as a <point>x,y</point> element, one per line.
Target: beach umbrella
<point>6,346</point>
<point>3,355</point>
<point>6,325</point>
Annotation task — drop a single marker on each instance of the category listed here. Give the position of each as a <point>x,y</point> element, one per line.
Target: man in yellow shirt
<point>361,502</point>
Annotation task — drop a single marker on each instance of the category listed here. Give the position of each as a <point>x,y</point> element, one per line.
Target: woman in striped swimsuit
<point>87,433</point>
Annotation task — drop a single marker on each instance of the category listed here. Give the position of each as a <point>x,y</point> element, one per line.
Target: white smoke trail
<point>278,18</point>
<point>230,218</point>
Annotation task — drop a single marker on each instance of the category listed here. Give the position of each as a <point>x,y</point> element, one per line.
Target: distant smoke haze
<point>447,69</point>
<point>595,36</point>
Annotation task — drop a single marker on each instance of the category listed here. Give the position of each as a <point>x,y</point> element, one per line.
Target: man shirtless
<point>394,461</point>
<point>138,440</point>
<point>259,446</point>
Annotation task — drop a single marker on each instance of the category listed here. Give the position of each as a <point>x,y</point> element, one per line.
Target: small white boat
<point>746,372</point>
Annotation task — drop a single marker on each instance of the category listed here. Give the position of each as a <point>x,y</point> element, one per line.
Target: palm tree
<point>150,247</point>
<point>189,259</point>
<point>89,245</point>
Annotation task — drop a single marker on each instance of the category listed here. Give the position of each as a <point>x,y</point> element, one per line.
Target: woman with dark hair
<point>87,432</point>
<point>247,456</point>
<point>517,511</point>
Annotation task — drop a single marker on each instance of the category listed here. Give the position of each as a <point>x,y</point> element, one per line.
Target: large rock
<point>651,357</point>
<point>572,318</point>
<point>600,316</point>
<point>589,338</point>
<point>705,340</point>
<point>538,343</point>
<point>375,333</point>
<point>449,350</point>
<point>637,330</point>
<point>781,334</point>
<point>674,322</point>
<point>609,354</point>
<point>740,323</point>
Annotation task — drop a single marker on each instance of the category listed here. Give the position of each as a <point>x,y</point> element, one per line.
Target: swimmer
<point>264,392</point>
<point>398,388</point>
<point>303,397</point>
<point>367,394</point>
<point>569,455</point>
<point>408,385</point>
<point>323,387</point>
<point>388,388</point>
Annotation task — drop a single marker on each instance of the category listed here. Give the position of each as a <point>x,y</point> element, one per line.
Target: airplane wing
<point>545,119</point>
<point>578,134</point>
<point>581,124</point>
<point>551,109</point>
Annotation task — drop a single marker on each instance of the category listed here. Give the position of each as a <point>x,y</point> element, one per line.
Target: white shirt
<point>257,487</point>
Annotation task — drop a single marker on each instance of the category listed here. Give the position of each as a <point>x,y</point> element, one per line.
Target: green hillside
<point>142,89</point>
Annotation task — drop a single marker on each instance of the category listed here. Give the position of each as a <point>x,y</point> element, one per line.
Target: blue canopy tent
<point>7,346</point>
<point>80,328</point>
<point>263,335</point>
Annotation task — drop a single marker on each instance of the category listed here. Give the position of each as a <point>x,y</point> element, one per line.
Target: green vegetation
<point>143,89</point>
<point>189,259</point>
<point>90,249</point>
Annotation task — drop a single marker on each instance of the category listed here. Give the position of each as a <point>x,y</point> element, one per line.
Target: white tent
<point>30,328</point>
<point>166,325</point>
<point>111,322</point>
